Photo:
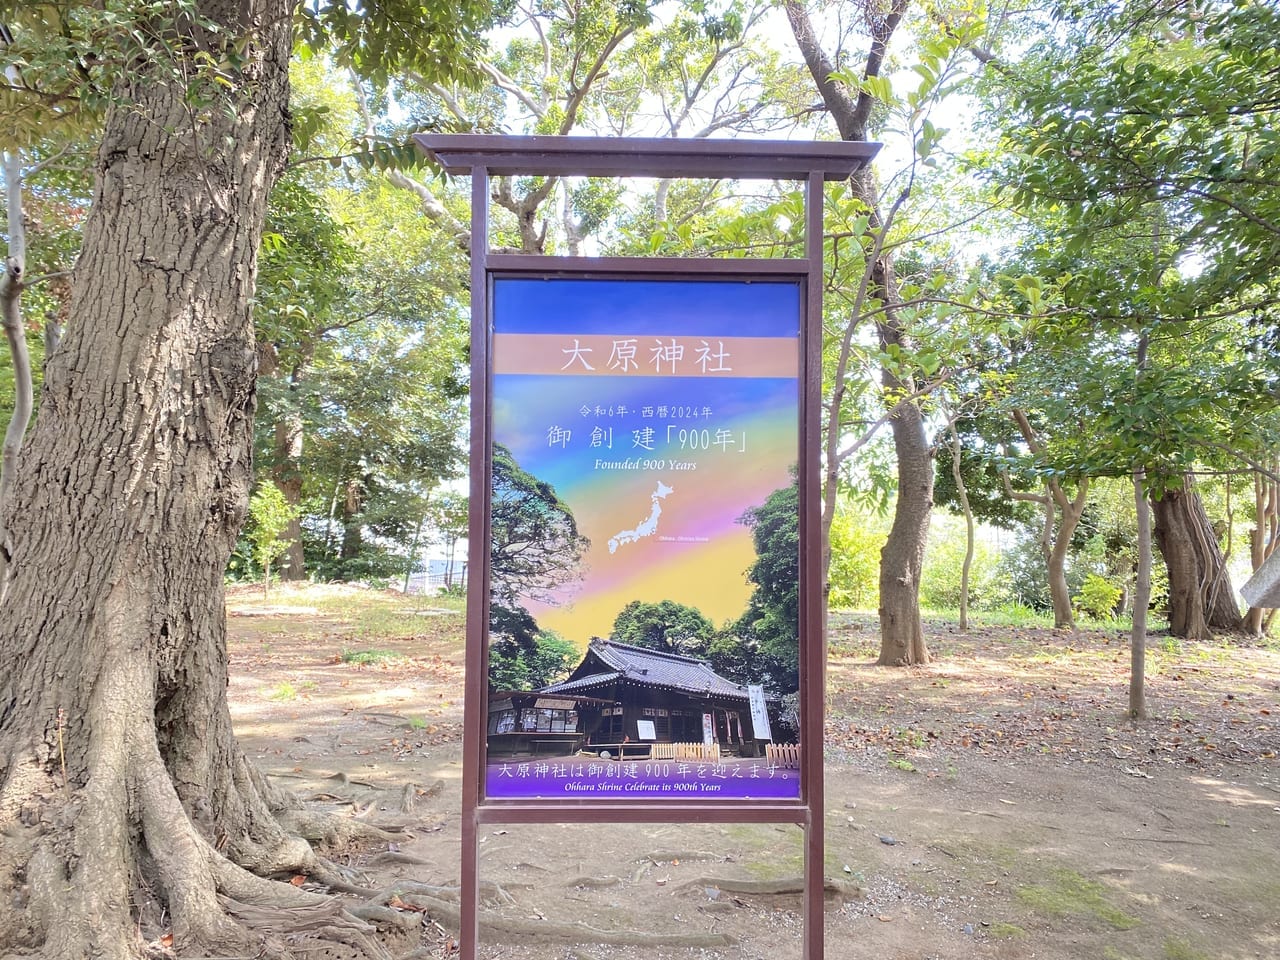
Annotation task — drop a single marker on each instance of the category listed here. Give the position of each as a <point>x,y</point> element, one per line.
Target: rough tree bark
<point>1201,598</point>
<point>120,781</point>
<point>902,557</point>
<point>901,560</point>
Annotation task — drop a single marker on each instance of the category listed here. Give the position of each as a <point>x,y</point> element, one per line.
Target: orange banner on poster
<point>606,355</point>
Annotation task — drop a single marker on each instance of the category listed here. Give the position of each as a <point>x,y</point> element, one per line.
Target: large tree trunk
<point>901,631</point>
<point>902,557</point>
<point>120,781</point>
<point>1201,598</point>
<point>352,521</point>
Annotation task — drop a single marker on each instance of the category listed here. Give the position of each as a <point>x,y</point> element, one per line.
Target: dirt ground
<point>993,804</point>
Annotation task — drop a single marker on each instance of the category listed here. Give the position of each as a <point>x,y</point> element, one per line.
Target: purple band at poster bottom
<point>663,780</point>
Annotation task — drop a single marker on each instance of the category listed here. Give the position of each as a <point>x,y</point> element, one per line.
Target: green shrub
<point>1023,575</point>
<point>269,517</point>
<point>1098,598</point>
<point>857,537</point>
<point>513,666</point>
<point>944,564</point>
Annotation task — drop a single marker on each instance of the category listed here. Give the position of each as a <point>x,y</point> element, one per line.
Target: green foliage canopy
<point>667,625</point>
<point>771,624</point>
<point>535,542</point>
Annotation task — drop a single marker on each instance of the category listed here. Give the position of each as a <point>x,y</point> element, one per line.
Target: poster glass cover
<point>644,594</point>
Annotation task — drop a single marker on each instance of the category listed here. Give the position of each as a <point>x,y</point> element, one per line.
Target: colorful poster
<point>644,550</point>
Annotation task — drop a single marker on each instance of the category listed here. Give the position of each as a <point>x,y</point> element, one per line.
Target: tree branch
<point>510,86</point>
<point>427,200</point>
<point>837,97</point>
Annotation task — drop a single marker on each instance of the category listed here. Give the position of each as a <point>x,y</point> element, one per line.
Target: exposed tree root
<point>328,920</point>
<point>74,861</point>
<point>510,930</point>
<point>363,795</point>
<point>442,904</point>
<point>593,883</point>
<point>674,856</point>
<point>409,891</point>
<point>331,829</point>
<point>395,856</point>
<point>774,888</point>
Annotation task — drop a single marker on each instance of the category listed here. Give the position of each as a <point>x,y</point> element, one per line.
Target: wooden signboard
<point>644,435</point>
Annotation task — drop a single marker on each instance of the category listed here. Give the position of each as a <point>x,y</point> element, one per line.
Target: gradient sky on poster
<point>720,445</point>
<point>708,308</point>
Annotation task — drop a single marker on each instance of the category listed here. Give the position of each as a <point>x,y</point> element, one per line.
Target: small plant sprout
<point>269,515</point>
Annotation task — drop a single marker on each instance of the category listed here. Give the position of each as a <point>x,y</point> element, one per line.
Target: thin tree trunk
<point>413,552</point>
<point>286,453</point>
<point>1141,601</point>
<point>287,475</point>
<point>963,494</point>
<point>1263,537</point>
<point>1063,613</point>
<point>11,320</point>
<point>1055,538</point>
<point>1142,588</point>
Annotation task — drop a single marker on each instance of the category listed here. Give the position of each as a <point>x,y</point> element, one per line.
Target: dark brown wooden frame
<point>482,157</point>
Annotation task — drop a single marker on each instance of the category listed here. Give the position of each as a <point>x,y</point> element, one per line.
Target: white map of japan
<point>649,525</point>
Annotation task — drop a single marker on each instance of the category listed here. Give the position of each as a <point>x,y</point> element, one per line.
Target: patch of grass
<point>1006,931</point>
<point>1007,615</point>
<point>1181,950</point>
<point>1011,857</point>
<point>374,614</point>
<point>776,854</point>
<point>370,657</point>
<point>282,691</point>
<point>1111,953</point>
<point>912,738</point>
<point>901,763</point>
<point>417,723</point>
<point>1068,893</point>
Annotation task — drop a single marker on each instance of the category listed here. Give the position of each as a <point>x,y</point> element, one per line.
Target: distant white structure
<point>438,575</point>
<point>1263,588</point>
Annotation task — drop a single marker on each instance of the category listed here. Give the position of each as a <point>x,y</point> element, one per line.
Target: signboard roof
<point>647,157</point>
